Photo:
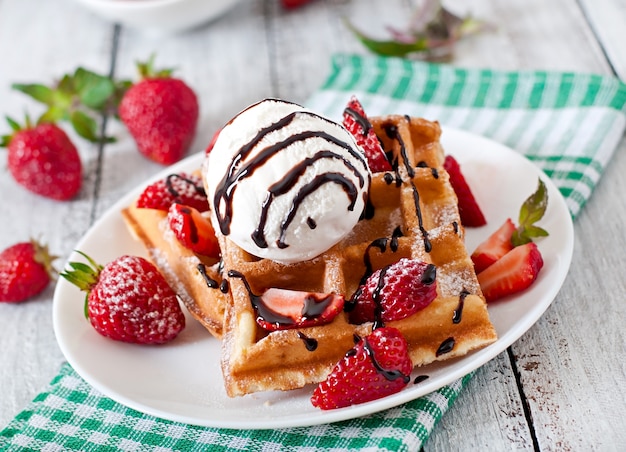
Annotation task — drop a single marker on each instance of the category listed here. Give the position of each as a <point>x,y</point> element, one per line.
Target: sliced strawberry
<point>408,286</point>
<point>514,272</point>
<point>379,365</point>
<point>355,120</point>
<point>181,188</point>
<point>494,247</point>
<point>471,215</point>
<point>193,230</point>
<point>281,309</point>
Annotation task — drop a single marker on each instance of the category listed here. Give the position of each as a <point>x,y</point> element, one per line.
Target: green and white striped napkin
<point>568,124</point>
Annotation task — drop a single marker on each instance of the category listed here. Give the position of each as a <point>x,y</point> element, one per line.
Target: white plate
<point>182,381</point>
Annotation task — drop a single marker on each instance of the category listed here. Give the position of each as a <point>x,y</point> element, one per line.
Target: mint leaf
<point>532,210</point>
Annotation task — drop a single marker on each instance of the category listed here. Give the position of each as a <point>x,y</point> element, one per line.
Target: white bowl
<point>161,16</point>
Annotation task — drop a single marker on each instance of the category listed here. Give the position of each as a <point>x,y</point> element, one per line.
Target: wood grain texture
<point>562,386</point>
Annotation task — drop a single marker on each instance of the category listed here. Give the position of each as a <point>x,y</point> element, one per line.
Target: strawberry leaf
<point>532,210</point>
<point>86,127</point>
<point>53,114</point>
<point>94,90</point>
<point>40,93</point>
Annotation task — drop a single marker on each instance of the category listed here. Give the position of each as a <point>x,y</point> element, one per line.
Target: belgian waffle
<point>412,213</point>
<point>189,274</point>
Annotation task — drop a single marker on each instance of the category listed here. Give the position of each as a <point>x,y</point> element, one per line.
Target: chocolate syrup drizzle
<point>458,312</point>
<point>392,132</point>
<point>169,184</point>
<point>210,282</point>
<point>445,347</point>
<point>416,200</point>
<point>420,378</point>
<point>309,342</point>
<point>365,124</point>
<point>433,171</point>
<point>389,374</point>
<point>313,305</point>
<point>240,169</point>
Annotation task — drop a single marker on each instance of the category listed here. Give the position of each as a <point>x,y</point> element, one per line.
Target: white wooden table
<point>562,386</point>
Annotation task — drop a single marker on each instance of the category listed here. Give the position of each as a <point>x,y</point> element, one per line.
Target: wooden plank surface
<point>564,389</point>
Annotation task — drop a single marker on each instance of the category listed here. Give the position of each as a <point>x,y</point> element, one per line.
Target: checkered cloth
<point>568,124</point>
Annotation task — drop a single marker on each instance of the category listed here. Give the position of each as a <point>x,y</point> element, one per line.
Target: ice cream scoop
<point>285,183</point>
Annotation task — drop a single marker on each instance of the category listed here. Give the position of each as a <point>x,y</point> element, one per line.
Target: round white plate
<point>182,381</point>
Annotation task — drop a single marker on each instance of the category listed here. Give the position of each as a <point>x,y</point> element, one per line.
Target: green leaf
<point>53,114</point>
<point>93,90</point>
<point>390,48</point>
<point>13,124</point>
<point>532,210</point>
<point>146,70</point>
<point>85,126</point>
<point>40,93</point>
<point>535,206</point>
<point>66,85</point>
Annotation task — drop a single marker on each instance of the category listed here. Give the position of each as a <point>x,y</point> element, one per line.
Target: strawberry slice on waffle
<point>357,123</point>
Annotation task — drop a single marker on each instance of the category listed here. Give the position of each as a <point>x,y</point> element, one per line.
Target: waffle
<point>412,213</point>
<point>189,274</point>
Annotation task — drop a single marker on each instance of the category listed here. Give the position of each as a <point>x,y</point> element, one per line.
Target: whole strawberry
<point>407,287</point>
<point>128,300</point>
<point>25,271</point>
<point>379,365</point>
<point>43,159</point>
<point>161,113</point>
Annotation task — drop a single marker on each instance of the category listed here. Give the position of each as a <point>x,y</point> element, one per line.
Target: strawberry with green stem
<point>161,113</point>
<point>42,158</point>
<point>128,299</point>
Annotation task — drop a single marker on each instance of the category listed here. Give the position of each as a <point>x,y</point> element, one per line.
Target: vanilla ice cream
<point>285,183</point>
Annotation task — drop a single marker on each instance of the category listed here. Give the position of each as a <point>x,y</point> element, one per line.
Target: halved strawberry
<point>281,309</point>
<point>379,365</point>
<point>355,120</point>
<point>408,286</point>
<point>514,272</point>
<point>471,215</point>
<point>508,236</point>
<point>193,230</point>
<point>182,188</point>
<point>494,247</point>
